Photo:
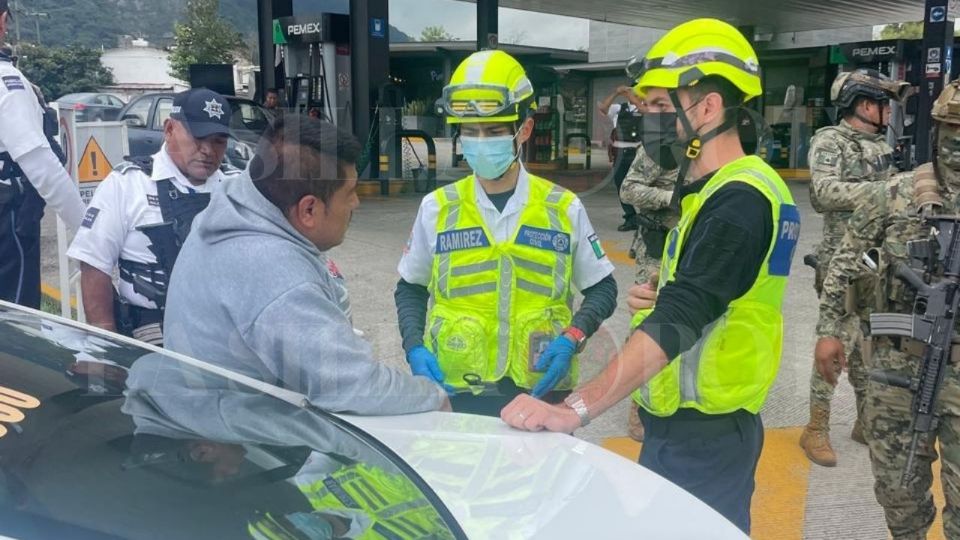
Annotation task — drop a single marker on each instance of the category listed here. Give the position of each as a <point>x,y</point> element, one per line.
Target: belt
<point>690,423</point>
<point>914,347</point>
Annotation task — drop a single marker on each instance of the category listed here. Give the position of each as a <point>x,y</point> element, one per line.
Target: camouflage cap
<point>868,83</point>
<point>946,108</point>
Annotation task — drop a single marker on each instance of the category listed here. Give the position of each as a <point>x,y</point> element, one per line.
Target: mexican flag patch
<point>597,248</point>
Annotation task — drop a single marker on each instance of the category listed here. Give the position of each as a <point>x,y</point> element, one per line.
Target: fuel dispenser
<point>315,54</point>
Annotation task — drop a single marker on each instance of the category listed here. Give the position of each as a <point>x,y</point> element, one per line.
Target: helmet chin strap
<point>694,144</point>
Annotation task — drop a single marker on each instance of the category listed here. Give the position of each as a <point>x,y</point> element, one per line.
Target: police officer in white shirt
<point>625,142</point>
<point>141,214</point>
<point>31,176</point>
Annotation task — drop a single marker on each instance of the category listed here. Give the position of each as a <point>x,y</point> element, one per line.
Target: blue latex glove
<point>556,360</point>
<point>424,363</point>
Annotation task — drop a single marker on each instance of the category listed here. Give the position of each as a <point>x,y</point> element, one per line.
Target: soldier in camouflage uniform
<point>844,159</point>
<point>649,188</point>
<point>890,218</point>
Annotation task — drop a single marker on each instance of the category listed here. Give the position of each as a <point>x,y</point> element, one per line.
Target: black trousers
<point>492,401</point>
<point>621,167</point>
<point>712,457</point>
<point>20,253</point>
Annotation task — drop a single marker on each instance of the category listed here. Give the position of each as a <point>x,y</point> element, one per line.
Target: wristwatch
<point>575,402</point>
<point>577,336</point>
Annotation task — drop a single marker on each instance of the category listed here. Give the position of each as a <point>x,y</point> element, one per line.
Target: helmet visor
<point>477,100</point>
<point>639,65</point>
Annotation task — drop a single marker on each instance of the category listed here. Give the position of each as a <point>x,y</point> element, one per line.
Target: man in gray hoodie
<point>252,290</point>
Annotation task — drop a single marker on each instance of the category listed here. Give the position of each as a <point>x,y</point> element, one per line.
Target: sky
<point>459,19</point>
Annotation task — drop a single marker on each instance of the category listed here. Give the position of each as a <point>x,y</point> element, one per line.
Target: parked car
<point>146,114</point>
<point>92,107</point>
<point>104,437</point>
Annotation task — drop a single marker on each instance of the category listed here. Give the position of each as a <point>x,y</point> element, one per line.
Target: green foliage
<point>907,30</point>
<point>435,33</point>
<point>204,38</point>
<point>59,71</point>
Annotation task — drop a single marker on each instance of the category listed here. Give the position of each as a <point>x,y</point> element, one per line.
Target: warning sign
<point>94,165</point>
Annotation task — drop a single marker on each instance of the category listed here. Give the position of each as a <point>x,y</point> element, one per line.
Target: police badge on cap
<point>203,112</point>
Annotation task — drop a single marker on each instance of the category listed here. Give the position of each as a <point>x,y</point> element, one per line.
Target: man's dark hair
<point>269,90</point>
<point>731,96</point>
<point>851,111</point>
<point>300,156</point>
<point>4,7</point>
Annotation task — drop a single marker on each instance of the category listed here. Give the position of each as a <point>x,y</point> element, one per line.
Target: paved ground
<point>794,499</point>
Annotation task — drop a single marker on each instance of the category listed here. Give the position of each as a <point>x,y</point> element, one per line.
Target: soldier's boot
<point>815,439</point>
<point>634,425</point>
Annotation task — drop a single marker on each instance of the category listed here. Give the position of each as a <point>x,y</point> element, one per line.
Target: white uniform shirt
<point>21,119</point>
<point>590,263</point>
<point>21,132</point>
<point>614,115</point>
<point>122,203</point>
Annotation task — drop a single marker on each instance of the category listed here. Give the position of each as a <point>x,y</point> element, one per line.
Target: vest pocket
<point>531,334</point>
<point>461,343</point>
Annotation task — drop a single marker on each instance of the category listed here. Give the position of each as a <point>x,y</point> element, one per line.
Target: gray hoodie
<point>251,294</point>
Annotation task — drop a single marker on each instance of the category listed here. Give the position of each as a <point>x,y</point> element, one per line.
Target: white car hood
<point>503,483</point>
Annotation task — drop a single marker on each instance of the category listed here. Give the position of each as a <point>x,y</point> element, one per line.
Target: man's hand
<point>556,360</point>
<point>641,297</point>
<point>624,90</point>
<point>530,414</point>
<point>830,359</point>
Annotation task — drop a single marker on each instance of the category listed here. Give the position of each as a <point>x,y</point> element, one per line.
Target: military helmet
<point>694,50</point>
<point>946,108</point>
<point>489,86</point>
<point>868,83</point>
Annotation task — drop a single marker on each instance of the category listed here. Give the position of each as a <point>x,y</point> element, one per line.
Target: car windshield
<point>101,438</point>
<point>75,98</point>
<point>248,116</point>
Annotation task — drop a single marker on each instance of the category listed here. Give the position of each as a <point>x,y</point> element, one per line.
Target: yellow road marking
<point>780,496</point>
<point>615,254</point>
<point>54,293</point>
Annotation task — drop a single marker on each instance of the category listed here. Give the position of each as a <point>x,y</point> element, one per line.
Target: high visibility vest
<point>735,361</point>
<point>398,509</point>
<point>497,305</point>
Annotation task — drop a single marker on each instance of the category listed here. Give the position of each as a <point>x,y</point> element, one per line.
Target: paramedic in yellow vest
<point>499,253</point>
<point>702,360</point>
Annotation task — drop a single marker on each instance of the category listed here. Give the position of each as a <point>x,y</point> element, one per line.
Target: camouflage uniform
<point>843,160</point>
<point>888,218</point>
<point>649,189</point>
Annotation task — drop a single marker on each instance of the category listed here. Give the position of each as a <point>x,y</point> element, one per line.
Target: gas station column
<point>487,24</point>
<point>370,49</point>
<point>936,57</point>
<point>267,12</point>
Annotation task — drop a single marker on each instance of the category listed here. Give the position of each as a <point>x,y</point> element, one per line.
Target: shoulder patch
<point>153,200</point>
<point>597,248</point>
<point>90,217</point>
<point>13,82</point>
<point>826,157</point>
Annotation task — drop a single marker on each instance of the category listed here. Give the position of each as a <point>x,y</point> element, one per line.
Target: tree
<point>64,71</point>
<point>435,33</point>
<point>203,39</point>
<point>907,30</point>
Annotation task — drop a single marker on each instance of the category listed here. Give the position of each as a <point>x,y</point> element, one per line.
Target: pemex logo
<point>12,405</point>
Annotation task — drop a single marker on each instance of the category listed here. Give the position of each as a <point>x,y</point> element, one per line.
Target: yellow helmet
<point>694,50</point>
<point>489,86</point>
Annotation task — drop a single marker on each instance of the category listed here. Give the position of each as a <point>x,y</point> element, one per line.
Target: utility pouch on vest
<point>539,341</point>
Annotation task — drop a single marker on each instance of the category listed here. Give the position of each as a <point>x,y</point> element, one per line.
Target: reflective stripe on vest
<point>398,509</point>
<point>497,304</point>
<point>735,361</point>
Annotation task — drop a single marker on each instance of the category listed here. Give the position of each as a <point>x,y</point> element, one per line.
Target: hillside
<point>96,23</point>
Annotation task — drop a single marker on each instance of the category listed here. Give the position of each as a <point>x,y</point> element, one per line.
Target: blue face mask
<point>489,157</point>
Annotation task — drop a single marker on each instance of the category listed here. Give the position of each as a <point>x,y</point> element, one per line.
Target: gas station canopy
<point>764,15</point>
